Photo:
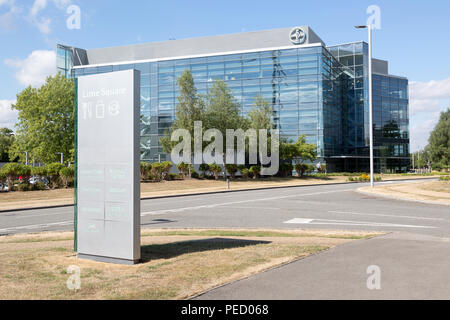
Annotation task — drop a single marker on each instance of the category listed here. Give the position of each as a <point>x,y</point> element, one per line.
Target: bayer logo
<point>297,35</point>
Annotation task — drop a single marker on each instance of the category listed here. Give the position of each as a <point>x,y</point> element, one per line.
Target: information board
<point>108,185</point>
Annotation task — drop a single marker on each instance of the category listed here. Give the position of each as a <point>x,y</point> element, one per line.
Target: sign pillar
<point>108,183</point>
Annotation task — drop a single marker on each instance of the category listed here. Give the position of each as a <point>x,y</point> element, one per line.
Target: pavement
<point>413,257</point>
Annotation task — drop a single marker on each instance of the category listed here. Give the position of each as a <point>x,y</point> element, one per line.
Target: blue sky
<point>412,37</point>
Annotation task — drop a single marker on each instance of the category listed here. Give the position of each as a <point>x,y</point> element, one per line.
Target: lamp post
<point>62,157</point>
<point>369,28</point>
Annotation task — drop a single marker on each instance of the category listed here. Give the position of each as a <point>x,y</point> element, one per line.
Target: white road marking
<point>37,226</point>
<point>386,215</point>
<point>352,223</point>
<point>158,212</point>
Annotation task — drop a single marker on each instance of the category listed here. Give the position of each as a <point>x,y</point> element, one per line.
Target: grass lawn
<point>176,264</point>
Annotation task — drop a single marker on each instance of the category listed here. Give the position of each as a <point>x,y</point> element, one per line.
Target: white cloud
<point>34,69</point>
<point>44,23</point>
<point>427,96</point>
<point>7,19</point>
<point>8,116</point>
<point>420,131</point>
<point>426,100</point>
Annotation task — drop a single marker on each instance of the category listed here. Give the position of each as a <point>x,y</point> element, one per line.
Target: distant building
<point>317,90</point>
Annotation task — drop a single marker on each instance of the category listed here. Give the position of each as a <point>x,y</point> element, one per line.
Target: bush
<point>145,170</point>
<point>183,168</point>
<point>166,166</point>
<point>156,170</point>
<point>11,172</point>
<point>232,169</point>
<point>204,167</point>
<point>38,171</point>
<point>194,174</point>
<point>67,174</point>
<point>286,169</point>
<point>364,178</point>
<point>302,168</point>
<point>25,186</point>
<point>52,172</point>
<point>444,178</point>
<point>215,169</point>
<point>255,171</point>
<point>245,172</point>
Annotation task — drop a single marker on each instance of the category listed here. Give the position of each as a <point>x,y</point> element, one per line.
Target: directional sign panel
<point>108,193</point>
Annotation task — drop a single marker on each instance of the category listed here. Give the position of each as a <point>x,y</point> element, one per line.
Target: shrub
<point>145,169</point>
<point>204,167</point>
<point>215,169</point>
<point>286,169</point>
<point>52,172</point>
<point>11,173</point>
<point>24,171</point>
<point>194,174</point>
<point>166,166</point>
<point>183,168</point>
<point>67,174</point>
<point>245,172</point>
<point>351,179</point>
<point>38,171</point>
<point>444,178</point>
<point>156,170</point>
<point>255,171</point>
<point>25,186</point>
<point>232,169</point>
<point>300,168</point>
<point>364,177</point>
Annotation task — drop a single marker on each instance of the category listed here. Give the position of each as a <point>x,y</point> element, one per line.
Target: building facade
<point>317,91</point>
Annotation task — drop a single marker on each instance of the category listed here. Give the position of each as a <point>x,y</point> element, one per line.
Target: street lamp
<point>62,157</point>
<point>369,28</point>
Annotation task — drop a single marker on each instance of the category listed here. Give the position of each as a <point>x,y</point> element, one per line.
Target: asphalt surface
<point>413,258</point>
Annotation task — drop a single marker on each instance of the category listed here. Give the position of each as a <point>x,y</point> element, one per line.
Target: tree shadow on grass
<point>174,249</point>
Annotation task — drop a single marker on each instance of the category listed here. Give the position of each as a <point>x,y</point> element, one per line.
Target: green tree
<point>260,116</point>
<point>190,108</point>
<point>223,112</point>
<point>46,121</point>
<point>299,151</point>
<point>439,142</point>
<point>6,140</point>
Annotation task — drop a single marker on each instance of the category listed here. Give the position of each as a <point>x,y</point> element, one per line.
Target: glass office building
<point>315,90</point>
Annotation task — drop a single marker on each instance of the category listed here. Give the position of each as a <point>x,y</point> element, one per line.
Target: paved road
<point>329,206</point>
<point>414,258</point>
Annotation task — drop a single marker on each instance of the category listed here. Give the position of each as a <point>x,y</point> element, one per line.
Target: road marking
<point>37,226</point>
<point>386,215</point>
<point>351,223</point>
<point>158,212</point>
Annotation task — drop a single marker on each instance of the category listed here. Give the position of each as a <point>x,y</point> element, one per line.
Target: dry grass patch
<point>175,264</point>
<point>434,191</point>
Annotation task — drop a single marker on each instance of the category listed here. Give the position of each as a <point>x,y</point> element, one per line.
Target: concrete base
<point>107,259</point>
